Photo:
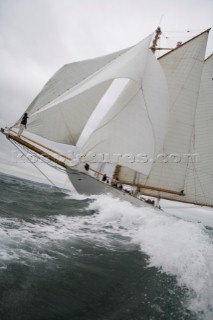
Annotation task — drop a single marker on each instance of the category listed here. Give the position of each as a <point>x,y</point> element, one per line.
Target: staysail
<point>69,98</point>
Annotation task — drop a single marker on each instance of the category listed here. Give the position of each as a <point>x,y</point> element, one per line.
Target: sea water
<point>69,257</point>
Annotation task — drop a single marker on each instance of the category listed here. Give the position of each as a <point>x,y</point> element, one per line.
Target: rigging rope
<point>16,145</point>
<point>45,160</point>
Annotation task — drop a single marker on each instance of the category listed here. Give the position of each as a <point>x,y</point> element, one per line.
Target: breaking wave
<point>177,247</point>
<point>52,226</point>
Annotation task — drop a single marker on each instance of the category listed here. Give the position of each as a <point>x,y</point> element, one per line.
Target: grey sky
<point>37,37</point>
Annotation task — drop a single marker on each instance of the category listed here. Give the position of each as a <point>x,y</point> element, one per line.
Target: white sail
<point>68,104</point>
<point>56,106</point>
<point>199,179</point>
<point>137,123</point>
<point>183,68</point>
<point>65,121</point>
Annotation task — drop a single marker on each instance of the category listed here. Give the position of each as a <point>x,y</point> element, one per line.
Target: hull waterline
<point>87,185</point>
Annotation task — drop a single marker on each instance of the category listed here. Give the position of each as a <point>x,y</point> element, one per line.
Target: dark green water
<point>61,260</point>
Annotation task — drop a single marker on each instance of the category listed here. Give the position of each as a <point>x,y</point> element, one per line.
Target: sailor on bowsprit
<point>23,124</point>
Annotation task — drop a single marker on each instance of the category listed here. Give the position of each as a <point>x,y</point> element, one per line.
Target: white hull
<point>85,184</point>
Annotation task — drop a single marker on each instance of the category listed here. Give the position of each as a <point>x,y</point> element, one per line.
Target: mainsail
<point>199,176</point>
<point>177,166</point>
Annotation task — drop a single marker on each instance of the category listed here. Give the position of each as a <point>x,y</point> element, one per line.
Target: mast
<point>154,47</point>
<point>117,170</point>
<point>158,33</point>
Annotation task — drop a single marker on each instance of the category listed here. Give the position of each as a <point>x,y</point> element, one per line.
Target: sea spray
<point>98,258</point>
<point>177,247</point>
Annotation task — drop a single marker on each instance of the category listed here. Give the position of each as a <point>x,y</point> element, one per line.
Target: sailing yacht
<point>157,135</point>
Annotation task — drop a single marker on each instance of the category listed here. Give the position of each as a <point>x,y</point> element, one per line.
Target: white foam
<point>174,246</point>
<point>77,196</point>
<point>177,247</point>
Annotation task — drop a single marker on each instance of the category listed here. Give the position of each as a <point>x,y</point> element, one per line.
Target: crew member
<point>23,124</point>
